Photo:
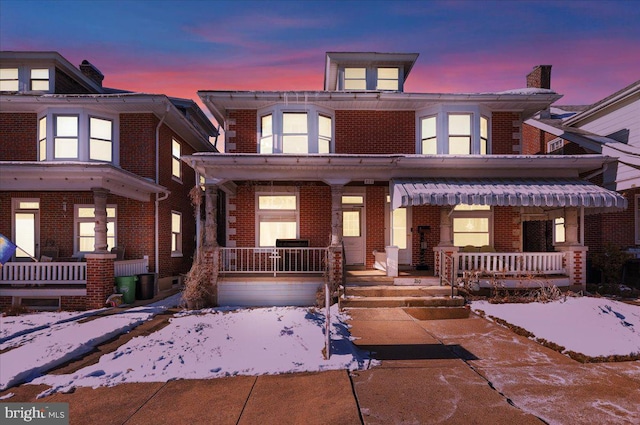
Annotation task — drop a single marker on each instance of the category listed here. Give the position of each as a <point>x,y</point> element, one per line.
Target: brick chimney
<point>540,77</point>
<point>91,72</point>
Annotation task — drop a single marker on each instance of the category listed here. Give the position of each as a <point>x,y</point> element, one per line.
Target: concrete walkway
<point>461,371</point>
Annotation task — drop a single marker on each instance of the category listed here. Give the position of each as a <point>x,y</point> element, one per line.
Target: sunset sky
<point>180,47</point>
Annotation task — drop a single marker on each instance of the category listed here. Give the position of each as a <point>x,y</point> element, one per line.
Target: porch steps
<point>420,301</point>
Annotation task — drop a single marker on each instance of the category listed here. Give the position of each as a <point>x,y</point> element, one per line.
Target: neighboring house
<point>610,127</point>
<point>91,173</point>
<point>395,178</point>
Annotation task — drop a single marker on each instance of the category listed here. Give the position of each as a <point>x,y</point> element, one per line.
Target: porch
<point>57,280</point>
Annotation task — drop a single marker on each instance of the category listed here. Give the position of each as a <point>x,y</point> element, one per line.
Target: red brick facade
<point>375,132</point>
<point>505,133</point>
<point>18,137</point>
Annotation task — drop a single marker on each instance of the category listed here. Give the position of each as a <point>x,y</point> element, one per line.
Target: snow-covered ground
<point>591,326</point>
<point>208,343</point>
<point>213,343</point>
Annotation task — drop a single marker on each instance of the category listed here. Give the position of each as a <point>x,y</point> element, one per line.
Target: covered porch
<point>519,188</point>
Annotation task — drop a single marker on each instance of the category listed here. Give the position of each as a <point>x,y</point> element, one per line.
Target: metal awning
<point>514,192</point>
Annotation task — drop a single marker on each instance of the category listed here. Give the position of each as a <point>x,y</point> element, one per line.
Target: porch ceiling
<point>75,176</point>
<point>515,192</point>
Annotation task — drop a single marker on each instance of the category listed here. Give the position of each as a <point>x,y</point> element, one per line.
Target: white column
<point>336,214</point>
<point>100,229</point>
<point>445,226</point>
<point>571,226</point>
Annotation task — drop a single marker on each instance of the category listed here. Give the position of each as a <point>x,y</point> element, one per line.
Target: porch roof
<point>76,176</point>
<point>516,192</point>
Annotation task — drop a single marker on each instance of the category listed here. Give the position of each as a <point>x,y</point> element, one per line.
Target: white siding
<point>626,117</point>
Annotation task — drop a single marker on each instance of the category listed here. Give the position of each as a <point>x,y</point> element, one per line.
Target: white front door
<point>26,222</point>
<point>353,235</point>
<point>401,233</point>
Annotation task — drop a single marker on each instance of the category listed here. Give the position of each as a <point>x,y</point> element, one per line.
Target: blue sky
<point>179,47</point>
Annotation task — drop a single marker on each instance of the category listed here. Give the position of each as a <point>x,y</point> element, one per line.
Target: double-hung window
<point>176,234</point>
<point>176,166</point>
<point>388,79</point>
<point>295,132</point>
<point>65,139</point>
<point>472,225</point>
<point>77,134</point>
<point>39,80</point>
<point>453,130</point>
<point>355,79</point>
<point>459,134</point>
<point>429,138</point>
<point>85,223</point>
<point>9,80</point>
<point>276,217</point>
<point>558,230</point>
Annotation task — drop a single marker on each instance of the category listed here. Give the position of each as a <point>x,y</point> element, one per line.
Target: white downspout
<point>158,199</point>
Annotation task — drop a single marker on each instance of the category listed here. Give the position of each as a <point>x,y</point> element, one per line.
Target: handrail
<point>273,260</point>
<point>447,264</point>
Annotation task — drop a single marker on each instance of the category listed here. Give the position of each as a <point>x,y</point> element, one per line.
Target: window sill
<point>176,179</point>
<point>176,255</point>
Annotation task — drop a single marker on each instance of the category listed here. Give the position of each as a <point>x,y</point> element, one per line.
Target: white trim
<point>84,115</point>
<point>442,112</point>
<point>76,226</point>
<point>276,215</point>
<point>179,241</point>
<point>15,207</point>
<point>313,115</point>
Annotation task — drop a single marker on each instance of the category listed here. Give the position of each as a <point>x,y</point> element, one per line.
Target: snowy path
<point>42,350</point>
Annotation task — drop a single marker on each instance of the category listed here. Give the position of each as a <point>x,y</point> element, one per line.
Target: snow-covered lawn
<point>59,340</point>
<point>13,326</point>
<point>591,326</point>
<point>208,343</point>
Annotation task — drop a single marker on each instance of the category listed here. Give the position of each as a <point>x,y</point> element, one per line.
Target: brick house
<point>365,175</point>
<point>609,127</point>
<point>91,182</point>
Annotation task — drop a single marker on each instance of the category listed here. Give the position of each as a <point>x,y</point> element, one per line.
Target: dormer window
<point>26,79</point>
<point>388,79</point>
<point>39,79</point>
<point>9,79</point>
<point>371,78</point>
<point>355,78</point>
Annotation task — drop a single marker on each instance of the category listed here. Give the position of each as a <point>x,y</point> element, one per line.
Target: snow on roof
<point>525,90</point>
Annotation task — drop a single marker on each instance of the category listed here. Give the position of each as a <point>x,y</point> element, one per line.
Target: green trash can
<point>127,287</point>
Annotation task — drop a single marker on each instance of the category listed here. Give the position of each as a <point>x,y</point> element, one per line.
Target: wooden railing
<point>131,267</point>
<point>511,263</point>
<point>57,273</point>
<point>273,260</point>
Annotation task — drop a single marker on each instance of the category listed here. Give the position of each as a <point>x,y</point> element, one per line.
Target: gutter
<point>158,198</point>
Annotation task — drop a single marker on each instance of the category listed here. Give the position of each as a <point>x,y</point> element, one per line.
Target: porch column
<point>100,278</point>
<point>571,226</point>
<point>575,260</point>
<point>445,244</point>
<point>336,214</point>
<point>211,215</point>
<point>100,229</point>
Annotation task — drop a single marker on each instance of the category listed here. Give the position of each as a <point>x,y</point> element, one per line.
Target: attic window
<point>355,78</point>
<point>388,79</point>
<point>9,79</point>
<point>39,79</point>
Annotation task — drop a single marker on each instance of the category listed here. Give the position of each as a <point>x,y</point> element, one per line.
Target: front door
<point>401,234</point>
<point>353,235</point>
<point>26,221</point>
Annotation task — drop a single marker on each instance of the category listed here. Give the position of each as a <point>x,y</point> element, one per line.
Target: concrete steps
<point>427,301</point>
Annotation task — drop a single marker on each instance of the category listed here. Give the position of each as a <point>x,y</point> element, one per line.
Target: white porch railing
<point>131,267</point>
<point>273,260</point>
<point>43,274</point>
<point>512,263</point>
